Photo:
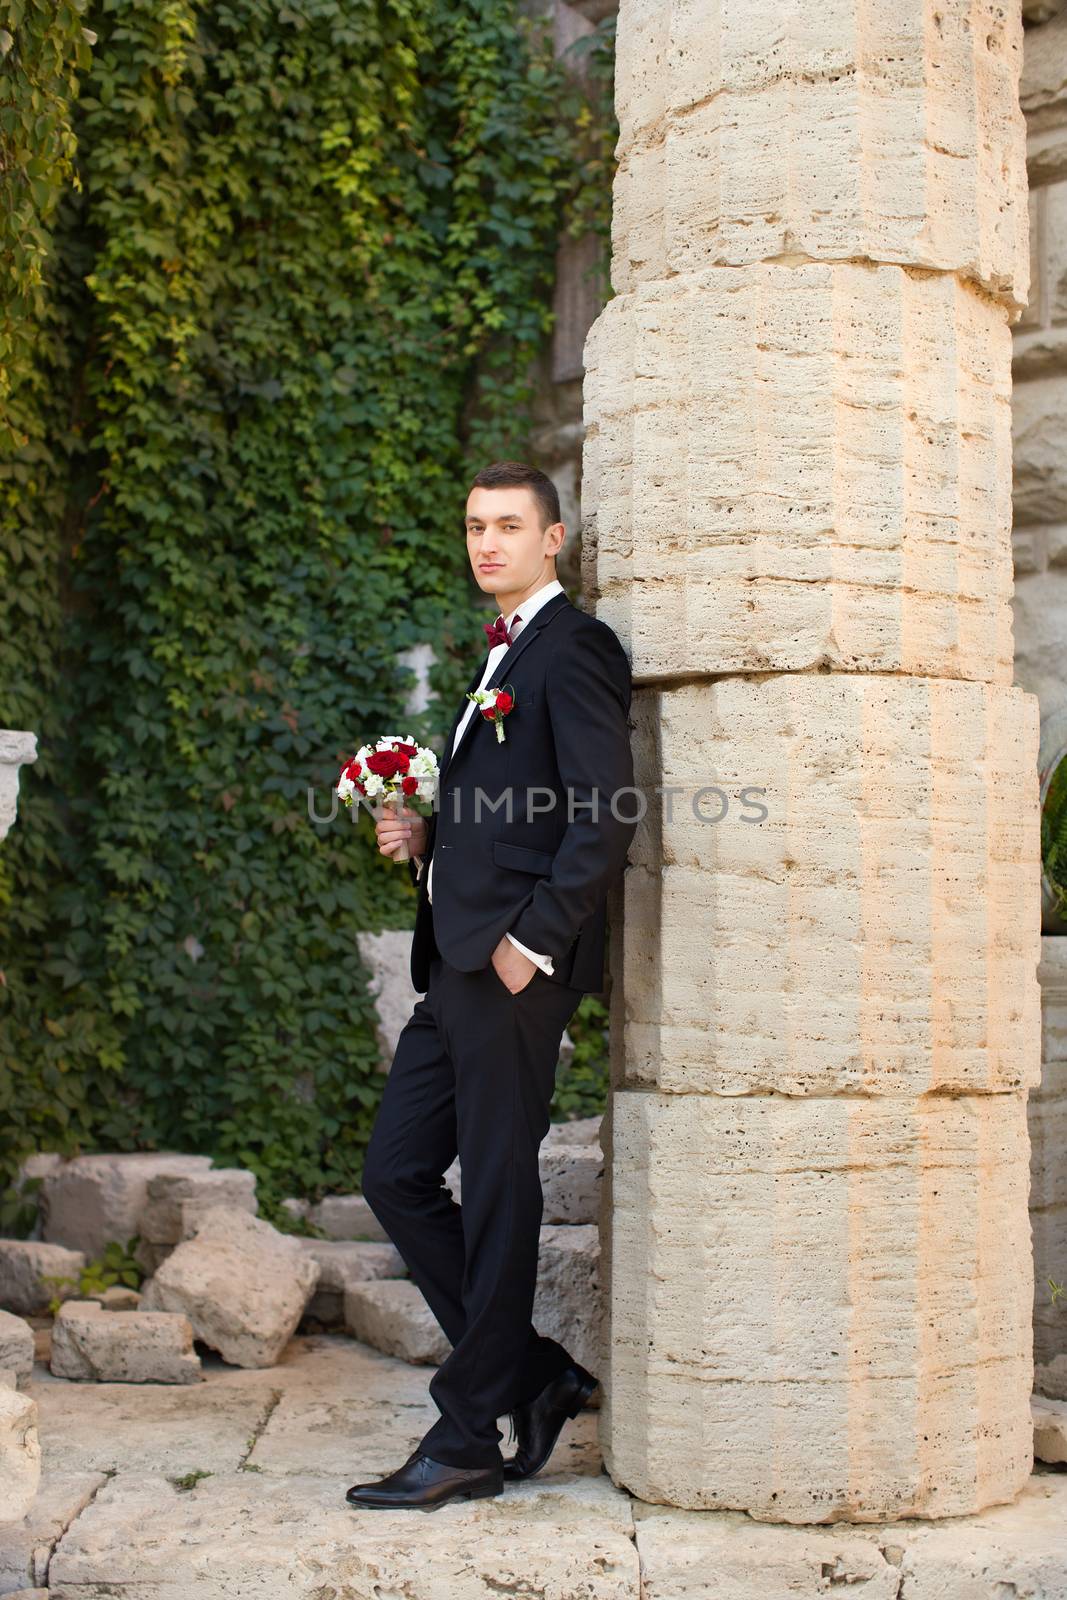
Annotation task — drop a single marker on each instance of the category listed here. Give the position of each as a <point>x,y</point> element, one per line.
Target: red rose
<point>386,763</point>
<point>503,700</point>
<point>352,770</point>
<point>409,785</point>
<point>488,713</point>
<point>408,750</point>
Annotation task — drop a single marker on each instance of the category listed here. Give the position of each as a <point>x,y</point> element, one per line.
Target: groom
<point>513,870</point>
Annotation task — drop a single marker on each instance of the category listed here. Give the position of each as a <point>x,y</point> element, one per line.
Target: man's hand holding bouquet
<point>386,775</point>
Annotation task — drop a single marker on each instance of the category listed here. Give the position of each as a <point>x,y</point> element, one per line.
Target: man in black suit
<point>513,868</point>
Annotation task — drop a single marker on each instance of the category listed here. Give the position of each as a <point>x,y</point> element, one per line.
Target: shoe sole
<point>586,1390</point>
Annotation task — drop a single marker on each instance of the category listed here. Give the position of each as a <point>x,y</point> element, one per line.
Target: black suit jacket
<point>527,866</point>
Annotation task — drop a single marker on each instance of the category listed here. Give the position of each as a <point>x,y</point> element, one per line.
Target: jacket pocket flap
<point>520,857</point>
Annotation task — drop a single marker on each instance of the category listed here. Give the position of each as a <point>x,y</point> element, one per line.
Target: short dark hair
<point>517,475</point>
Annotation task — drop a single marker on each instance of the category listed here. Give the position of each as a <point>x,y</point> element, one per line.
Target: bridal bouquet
<point>389,773</point>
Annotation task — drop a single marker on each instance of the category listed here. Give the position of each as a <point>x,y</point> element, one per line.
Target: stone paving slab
<point>239,1536</point>
<point>26,1546</point>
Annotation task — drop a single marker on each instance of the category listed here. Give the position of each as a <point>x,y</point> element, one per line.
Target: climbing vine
<point>298,271</point>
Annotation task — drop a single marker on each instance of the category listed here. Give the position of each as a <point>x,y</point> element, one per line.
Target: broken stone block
<point>95,1200</point>
<point>571,1182</point>
<point>20,1454</point>
<point>392,1316</point>
<point>1050,1430</point>
<point>297,1209</point>
<point>117,1298</point>
<point>345,1261</point>
<point>98,1346</point>
<point>579,1130</point>
<point>386,955</point>
<point>16,1347</point>
<point>567,1301</point>
<point>347,1216</point>
<point>173,1196</point>
<point>243,1285</point>
<point>36,1168</point>
<point>24,1263</point>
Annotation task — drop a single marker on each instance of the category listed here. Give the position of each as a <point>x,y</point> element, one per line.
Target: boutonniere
<point>494,705</point>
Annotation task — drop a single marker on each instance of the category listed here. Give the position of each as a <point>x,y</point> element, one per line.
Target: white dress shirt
<point>526,611</point>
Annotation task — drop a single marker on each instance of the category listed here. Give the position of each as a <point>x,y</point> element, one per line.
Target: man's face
<point>510,553</point>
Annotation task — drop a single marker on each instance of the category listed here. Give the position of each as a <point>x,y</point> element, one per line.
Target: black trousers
<point>474,1071</point>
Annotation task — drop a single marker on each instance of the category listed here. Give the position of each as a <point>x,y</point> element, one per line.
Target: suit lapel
<point>528,634</point>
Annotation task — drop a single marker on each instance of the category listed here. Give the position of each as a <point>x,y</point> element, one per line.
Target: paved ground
<point>233,1489</point>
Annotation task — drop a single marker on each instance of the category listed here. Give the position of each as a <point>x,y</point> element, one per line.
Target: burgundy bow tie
<point>496,632</point>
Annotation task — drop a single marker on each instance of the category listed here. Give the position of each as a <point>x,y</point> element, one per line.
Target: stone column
<point>797,509</point>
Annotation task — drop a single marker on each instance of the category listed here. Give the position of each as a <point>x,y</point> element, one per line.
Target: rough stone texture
<point>168,1194</point>
<point>802,466</point>
<point>345,1261</point>
<point>578,1130</point>
<point>876,932</point>
<point>16,1347</point>
<point>820,1307</point>
<point>95,1345</point>
<point>20,1454</point>
<point>387,957</point>
<point>33,1171</point>
<point>392,1316</point>
<point>347,1216</point>
<point>295,1539</point>
<point>752,130</point>
<point>17,749</point>
<point>26,1546</point>
<point>571,1182</point>
<point>242,1284</point>
<point>1047,1119</point>
<point>24,1263</point>
<point>93,1200</point>
<point>567,1303</point>
<point>1017,1550</point>
<point>1050,1429</point>
<point>571,1172</point>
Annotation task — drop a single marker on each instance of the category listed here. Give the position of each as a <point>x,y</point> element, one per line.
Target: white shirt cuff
<point>544,962</point>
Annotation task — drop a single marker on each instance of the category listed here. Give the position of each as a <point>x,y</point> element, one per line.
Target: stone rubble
<point>97,1200</point>
<point>92,1344</point>
<point>16,1350</point>
<point>25,1263</point>
<point>243,1285</point>
<point>342,1262</point>
<point>20,1454</point>
<point>392,1316</point>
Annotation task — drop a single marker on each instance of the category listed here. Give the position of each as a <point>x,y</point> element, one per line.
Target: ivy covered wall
<point>282,274</point>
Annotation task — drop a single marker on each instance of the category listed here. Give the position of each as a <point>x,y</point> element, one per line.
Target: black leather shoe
<point>426,1484</point>
<point>539,1421</point>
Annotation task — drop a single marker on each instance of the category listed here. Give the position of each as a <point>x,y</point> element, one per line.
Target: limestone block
<point>392,1316</point>
<point>820,1306</point>
<point>20,1454</point>
<point>1047,1122</point>
<point>567,1302</point>
<point>571,1182</point>
<point>16,1347</point>
<point>387,955</point>
<point>571,1171</point>
<point>1050,1430</point>
<point>1040,473</point>
<point>347,1216</point>
<point>1052,977</point>
<point>342,1262</point>
<point>577,1130</point>
<point>755,130</point>
<point>100,1346</point>
<point>25,1263</point>
<point>877,931</point>
<point>17,749</point>
<point>1008,1551</point>
<point>789,467</point>
<point>1039,611</point>
<point>242,1284</point>
<point>94,1200</point>
<point>26,1546</point>
<point>169,1193</point>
